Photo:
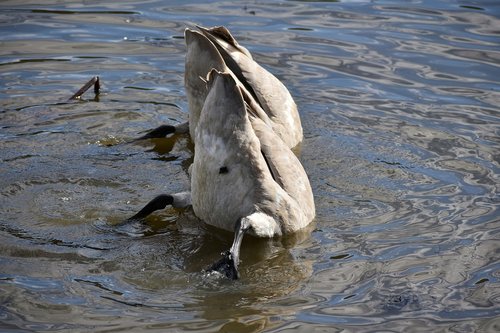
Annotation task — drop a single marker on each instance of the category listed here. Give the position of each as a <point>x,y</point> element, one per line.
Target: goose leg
<point>164,130</point>
<point>228,264</point>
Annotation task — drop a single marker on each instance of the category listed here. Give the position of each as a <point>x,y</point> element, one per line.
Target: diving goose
<point>268,91</point>
<point>216,48</point>
<point>244,176</point>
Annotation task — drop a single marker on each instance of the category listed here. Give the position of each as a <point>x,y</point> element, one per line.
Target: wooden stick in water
<point>93,82</point>
<point>97,86</point>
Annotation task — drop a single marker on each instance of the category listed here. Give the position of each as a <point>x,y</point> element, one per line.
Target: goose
<point>216,48</point>
<point>244,176</point>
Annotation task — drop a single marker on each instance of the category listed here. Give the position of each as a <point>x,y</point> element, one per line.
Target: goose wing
<point>285,167</point>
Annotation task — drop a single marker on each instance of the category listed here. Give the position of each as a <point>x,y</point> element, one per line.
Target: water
<point>399,103</point>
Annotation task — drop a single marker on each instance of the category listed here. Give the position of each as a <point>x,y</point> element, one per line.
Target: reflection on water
<point>400,110</point>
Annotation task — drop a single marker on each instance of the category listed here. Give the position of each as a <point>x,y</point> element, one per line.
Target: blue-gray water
<point>400,107</point>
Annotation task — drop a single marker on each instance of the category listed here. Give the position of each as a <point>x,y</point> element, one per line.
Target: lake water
<point>400,108</point>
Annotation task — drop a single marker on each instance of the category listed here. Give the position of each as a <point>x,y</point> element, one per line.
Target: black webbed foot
<point>158,133</point>
<point>160,202</point>
<point>225,266</point>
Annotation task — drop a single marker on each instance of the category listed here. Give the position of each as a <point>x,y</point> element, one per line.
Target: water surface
<point>399,103</point>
